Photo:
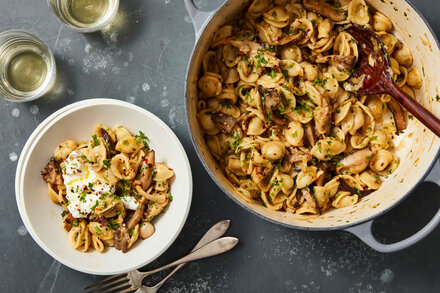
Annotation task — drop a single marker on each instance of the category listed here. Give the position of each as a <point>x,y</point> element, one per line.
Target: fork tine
<point>103,281</point>
<point>106,286</point>
<point>115,289</point>
<point>127,290</point>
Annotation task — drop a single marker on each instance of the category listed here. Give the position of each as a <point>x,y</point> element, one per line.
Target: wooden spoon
<point>372,75</point>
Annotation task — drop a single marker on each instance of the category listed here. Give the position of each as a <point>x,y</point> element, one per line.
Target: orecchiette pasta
<point>284,130</point>
<point>110,186</point>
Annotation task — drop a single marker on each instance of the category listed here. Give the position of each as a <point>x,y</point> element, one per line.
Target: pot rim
<point>222,188</point>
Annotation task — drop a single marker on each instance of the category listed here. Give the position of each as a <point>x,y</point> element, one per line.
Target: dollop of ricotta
<point>85,189</point>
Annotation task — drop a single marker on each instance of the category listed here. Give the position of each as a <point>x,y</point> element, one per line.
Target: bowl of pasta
<point>103,186</point>
<point>279,133</point>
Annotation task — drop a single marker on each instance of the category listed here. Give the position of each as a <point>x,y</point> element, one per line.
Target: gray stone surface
<point>144,61</point>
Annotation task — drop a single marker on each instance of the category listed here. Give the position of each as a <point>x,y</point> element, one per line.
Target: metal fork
<point>207,246</point>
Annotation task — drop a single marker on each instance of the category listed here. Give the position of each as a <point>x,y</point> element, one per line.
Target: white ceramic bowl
<point>42,217</point>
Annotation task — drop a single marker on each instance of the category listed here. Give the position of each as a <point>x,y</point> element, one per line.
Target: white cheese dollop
<point>84,188</point>
<point>130,202</point>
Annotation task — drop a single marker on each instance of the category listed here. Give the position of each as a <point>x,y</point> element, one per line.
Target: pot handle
<point>363,231</point>
<point>199,18</point>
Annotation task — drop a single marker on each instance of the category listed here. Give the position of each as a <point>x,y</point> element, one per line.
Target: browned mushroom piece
<point>325,167</point>
<point>344,63</point>
<point>323,117</point>
<point>296,155</point>
<point>323,7</point>
<point>298,37</point>
<point>122,238</point>
<point>136,217</point>
<point>399,117</point>
<point>68,222</point>
<point>310,134</point>
<point>295,200</point>
<point>355,159</point>
<point>271,99</point>
<point>310,200</point>
<point>110,144</point>
<point>223,121</point>
<point>345,187</point>
<point>101,220</point>
<point>145,175</point>
<point>52,172</point>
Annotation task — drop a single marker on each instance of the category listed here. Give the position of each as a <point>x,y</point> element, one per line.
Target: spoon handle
<point>417,110</point>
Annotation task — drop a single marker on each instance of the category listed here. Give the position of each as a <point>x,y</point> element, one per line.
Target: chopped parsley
<point>272,73</point>
<point>141,137</point>
<point>106,164</point>
<point>96,141</point>
<point>98,231</point>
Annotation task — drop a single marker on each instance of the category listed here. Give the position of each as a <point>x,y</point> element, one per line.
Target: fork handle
<point>215,232</point>
<point>214,248</point>
<point>420,112</point>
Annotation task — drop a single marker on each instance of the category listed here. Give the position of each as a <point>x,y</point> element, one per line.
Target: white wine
<point>84,12</point>
<point>26,71</point>
<point>27,66</point>
<point>85,15</point>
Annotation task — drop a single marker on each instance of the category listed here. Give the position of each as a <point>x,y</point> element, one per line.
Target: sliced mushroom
<point>311,201</point>
<point>295,200</point>
<point>355,159</point>
<point>110,144</point>
<point>344,63</point>
<point>399,118</point>
<point>296,155</point>
<point>52,172</point>
<point>112,209</point>
<point>278,121</point>
<point>136,217</point>
<point>122,238</point>
<point>298,37</point>
<point>271,99</point>
<point>101,220</point>
<point>345,187</point>
<point>145,176</point>
<point>325,9</point>
<point>323,117</point>
<point>68,222</point>
<point>223,121</point>
<point>325,167</point>
<point>310,134</point>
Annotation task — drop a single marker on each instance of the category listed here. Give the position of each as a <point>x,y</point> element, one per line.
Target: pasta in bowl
<point>254,81</point>
<point>42,218</point>
<point>110,186</point>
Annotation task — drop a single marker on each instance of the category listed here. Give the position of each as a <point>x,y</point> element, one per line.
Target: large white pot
<point>417,148</point>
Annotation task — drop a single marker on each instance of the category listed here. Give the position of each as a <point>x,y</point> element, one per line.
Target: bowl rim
<point>245,207</point>
<point>34,139</point>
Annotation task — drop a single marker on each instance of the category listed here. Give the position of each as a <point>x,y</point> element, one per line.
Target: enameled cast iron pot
<point>417,148</point>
